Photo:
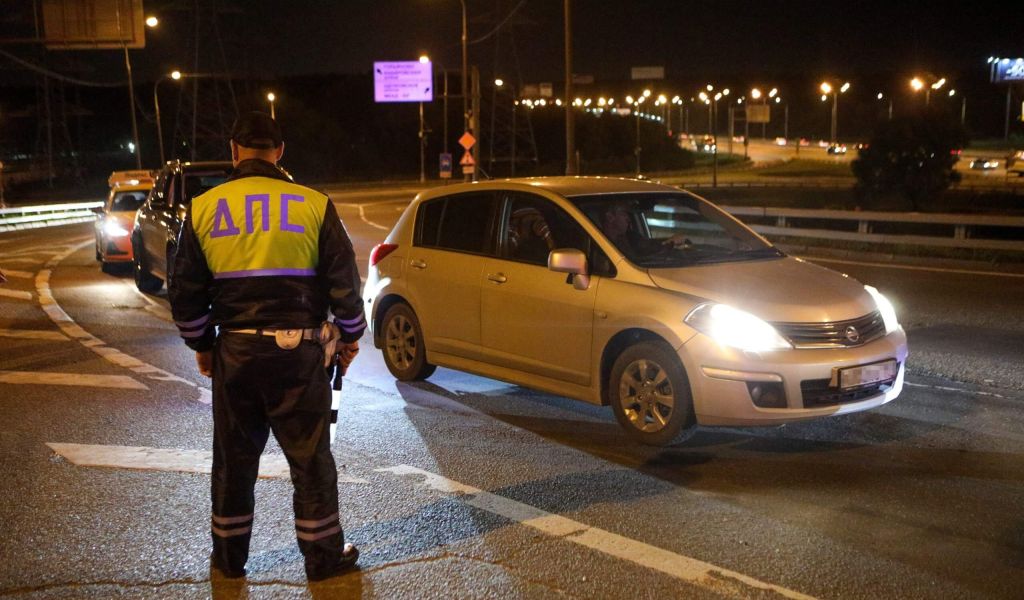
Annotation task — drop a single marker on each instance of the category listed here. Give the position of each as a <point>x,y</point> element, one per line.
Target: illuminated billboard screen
<point>1009,70</point>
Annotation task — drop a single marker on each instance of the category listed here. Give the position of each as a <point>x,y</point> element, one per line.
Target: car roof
<point>567,186</point>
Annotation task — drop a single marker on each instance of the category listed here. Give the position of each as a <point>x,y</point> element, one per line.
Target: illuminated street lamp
<point>827,90</point>
<point>152,21</point>
<point>175,75</point>
<point>881,97</point>
<point>271,97</point>
<point>917,85</point>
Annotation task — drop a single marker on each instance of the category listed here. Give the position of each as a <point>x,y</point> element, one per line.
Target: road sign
<point>467,160</point>
<point>758,113</point>
<point>446,165</point>
<point>467,140</point>
<point>647,73</point>
<point>403,81</point>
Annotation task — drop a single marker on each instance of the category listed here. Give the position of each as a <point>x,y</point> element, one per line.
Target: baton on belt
<point>337,371</point>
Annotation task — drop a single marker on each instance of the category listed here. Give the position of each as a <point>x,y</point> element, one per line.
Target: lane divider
<point>691,570</point>
<point>72,379</point>
<point>75,332</point>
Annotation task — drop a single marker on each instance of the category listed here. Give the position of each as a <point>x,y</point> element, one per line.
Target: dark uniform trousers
<point>258,388</point>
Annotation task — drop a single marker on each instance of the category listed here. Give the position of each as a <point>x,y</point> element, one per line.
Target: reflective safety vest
<point>259,226</point>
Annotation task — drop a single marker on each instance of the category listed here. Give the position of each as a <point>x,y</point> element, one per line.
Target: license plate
<point>852,377</point>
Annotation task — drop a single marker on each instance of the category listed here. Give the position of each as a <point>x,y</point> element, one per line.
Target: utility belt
<point>287,339</point>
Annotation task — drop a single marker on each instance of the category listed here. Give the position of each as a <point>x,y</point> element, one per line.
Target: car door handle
<point>497,277</point>
<point>417,264</point>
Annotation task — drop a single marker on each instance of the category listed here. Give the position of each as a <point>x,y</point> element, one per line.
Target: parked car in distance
<point>157,224</point>
<point>836,149</point>
<point>115,219</point>
<point>984,164</point>
<point>1015,163</point>
<point>707,144</point>
<point>631,294</point>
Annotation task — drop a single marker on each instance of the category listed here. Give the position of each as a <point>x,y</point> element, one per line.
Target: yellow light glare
<point>175,74</point>
<point>755,93</point>
<point>647,93</point>
<point>271,96</point>
<point>917,84</point>
<point>845,87</point>
<point>826,88</point>
<point>152,21</point>
<point>424,59</point>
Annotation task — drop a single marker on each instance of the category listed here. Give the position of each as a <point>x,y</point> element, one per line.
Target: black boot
<point>346,562</point>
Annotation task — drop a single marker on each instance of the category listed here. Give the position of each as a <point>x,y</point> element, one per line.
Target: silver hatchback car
<point>629,293</point>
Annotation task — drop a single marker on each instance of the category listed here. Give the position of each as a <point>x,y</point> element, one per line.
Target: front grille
<point>833,334</point>
<point>816,392</point>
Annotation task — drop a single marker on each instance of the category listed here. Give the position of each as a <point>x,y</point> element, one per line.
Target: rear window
<point>198,182</point>
<point>462,223</point>
<point>127,201</point>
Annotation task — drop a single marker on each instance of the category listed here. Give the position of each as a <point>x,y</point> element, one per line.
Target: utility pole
<point>570,124</point>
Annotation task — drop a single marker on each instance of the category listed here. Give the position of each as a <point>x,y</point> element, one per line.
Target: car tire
<point>650,394</point>
<point>404,351</point>
<point>144,280</point>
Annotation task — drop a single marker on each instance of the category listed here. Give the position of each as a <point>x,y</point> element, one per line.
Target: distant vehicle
<point>631,294</point>
<point>803,142</point>
<point>984,164</point>
<point>780,141</point>
<point>686,142</point>
<point>114,220</point>
<point>836,149</point>
<point>154,236</point>
<point>707,144</point>
<point>823,144</point>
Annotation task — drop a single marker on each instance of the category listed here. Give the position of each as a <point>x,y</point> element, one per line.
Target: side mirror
<point>572,261</point>
<point>97,210</point>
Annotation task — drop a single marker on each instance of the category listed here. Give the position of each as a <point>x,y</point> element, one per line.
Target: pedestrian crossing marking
<point>32,334</point>
<point>272,466</point>
<point>19,274</point>
<point>71,379</point>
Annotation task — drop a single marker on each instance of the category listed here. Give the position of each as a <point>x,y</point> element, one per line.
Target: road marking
<point>33,334</point>
<point>69,327</point>
<point>914,268</point>
<point>15,294</point>
<point>944,388</point>
<point>679,566</point>
<point>20,274</point>
<point>272,466</point>
<point>73,379</point>
<point>32,261</point>
<point>362,215</point>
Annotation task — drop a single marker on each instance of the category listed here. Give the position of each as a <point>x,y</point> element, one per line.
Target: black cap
<point>256,130</point>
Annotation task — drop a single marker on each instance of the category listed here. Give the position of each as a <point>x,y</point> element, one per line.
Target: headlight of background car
<point>885,308</point>
<point>733,327</point>
<point>114,229</point>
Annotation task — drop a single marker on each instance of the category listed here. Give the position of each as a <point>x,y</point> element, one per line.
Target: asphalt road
<point>466,487</point>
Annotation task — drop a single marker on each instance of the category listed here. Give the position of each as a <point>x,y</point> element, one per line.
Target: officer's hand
<point>204,360</point>
<point>347,353</point>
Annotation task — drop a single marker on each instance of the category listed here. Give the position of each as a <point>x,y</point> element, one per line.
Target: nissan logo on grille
<point>852,335</point>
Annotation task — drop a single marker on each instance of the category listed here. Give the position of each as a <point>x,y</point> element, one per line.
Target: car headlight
<point>885,308</point>
<point>733,327</point>
<point>114,229</point>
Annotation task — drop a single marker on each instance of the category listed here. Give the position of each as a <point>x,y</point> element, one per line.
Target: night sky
<point>706,40</point>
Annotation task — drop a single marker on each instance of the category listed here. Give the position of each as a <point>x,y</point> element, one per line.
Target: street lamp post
<point>827,90</point>
<point>882,97</point>
<point>271,97</point>
<point>175,75</point>
<point>917,84</point>
<point>150,22</point>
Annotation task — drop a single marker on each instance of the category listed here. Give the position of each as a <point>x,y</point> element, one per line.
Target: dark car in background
<point>158,222</point>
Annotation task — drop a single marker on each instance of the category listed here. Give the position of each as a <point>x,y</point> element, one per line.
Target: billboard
<point>647,73</point>
<point>1009,70</point>
<point>758,113</point>
<point>403,81</point>
<point>93,24</point>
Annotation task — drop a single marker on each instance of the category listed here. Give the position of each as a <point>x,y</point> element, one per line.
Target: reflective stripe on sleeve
<point>193,324</point>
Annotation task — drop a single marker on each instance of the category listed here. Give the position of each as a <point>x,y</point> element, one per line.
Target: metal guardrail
<point>47,215</point>
<point>964,231</point>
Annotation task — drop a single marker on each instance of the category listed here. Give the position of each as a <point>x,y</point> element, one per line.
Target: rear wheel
<point>650,394</point>
<point>144,280</point>
<point>404,352</point>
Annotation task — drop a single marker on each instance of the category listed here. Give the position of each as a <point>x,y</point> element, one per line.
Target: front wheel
<point>650,394</point>
<point>404,352</point>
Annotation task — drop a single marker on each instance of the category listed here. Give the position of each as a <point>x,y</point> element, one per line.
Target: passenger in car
<point>529,236</point>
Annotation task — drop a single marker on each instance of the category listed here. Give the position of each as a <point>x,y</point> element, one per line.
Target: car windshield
<point>668,230</point>
<point>127,201</point>
<point>198,182</point>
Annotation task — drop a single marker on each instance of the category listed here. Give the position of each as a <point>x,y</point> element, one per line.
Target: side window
<point>535,226</point>
<point>171,190</point>
<point>462,223</point>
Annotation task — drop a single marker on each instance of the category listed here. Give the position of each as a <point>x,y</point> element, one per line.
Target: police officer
<point>265,261</point>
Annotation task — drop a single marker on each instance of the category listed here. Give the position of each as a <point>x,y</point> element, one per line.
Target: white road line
<point>19,274</point>
<point>33,334</point>
<point>362,215</point>
<point>272,466</point>
<point>944,388</point>
<point>69,327</point>
<point>914,268</point>
<point>679,566</point>
<point>15,294</point>
<point>73,379</point>
<point>31,261</point>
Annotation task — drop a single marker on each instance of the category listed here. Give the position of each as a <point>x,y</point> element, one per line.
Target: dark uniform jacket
<point>260,251</point>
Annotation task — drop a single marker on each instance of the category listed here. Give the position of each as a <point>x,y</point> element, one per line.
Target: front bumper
<point>721,380</point>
